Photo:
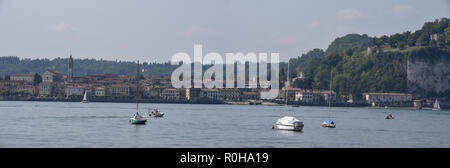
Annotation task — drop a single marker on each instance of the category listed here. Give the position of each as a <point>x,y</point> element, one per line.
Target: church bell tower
<point>70,75</point>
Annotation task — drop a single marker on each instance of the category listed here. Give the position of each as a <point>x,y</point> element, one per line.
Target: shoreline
<point>265,103</point>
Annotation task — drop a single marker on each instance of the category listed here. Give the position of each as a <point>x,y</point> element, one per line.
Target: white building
<point>375,98</point>
<point>52,76</point>
<point>23,77</point>
<point>100,91</point>
<point>213,94</point>
<point>120,90</point>
<point>74,91</point>
<point>170,94</point>
<point>305,97</point>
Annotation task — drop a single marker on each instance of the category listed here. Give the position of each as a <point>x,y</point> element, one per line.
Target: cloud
<point>193,29</point>
<point>314,24</point>
<point>59,27</point>
<point>402,10</point>
<point>350,14</point>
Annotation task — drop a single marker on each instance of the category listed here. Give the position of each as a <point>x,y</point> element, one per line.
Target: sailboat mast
<point>137,87</point>
<point>329,97</point>
<point>287,83</point>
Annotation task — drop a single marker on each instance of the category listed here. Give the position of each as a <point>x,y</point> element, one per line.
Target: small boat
<point>289,123</point>
<point>138,119</point>
<point>386,107</point>
<point>389,116</point>
<point>328,123</point>
<point>156,113</point>
<point>85,100</point>
<point>436,105</point>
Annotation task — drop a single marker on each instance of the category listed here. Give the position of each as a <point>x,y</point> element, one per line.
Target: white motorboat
<point>289,123</point>
<point>436,105</point>
<point>85,100</point>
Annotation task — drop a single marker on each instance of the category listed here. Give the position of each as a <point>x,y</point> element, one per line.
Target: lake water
<point>72,124</point>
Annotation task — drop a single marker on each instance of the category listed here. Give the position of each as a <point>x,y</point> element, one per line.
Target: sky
<point>154,30</point>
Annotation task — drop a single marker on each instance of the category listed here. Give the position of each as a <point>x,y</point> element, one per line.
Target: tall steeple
<point>70,72</point>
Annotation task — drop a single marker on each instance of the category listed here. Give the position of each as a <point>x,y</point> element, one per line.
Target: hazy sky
<point>154,30</point>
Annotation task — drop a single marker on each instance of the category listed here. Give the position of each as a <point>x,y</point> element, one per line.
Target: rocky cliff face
<point>426,75</point>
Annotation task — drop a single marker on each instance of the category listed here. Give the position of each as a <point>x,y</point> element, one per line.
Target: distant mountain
<point>14,65</point>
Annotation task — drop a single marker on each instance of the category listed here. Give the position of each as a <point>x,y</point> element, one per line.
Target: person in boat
<point>389,116</point>
<point>273,127</point>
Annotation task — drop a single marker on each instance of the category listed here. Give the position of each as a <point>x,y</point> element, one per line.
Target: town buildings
<point>384,98</point>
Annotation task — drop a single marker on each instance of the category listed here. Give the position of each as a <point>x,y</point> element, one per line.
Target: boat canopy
<point>288,119</point>
<point>329,121</point>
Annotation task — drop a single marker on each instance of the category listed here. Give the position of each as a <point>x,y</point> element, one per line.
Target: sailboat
<point>329,123</point>
<point>137,118</point>
<point>289,122</point>
<point>436,105</point>
<point>85,100</point>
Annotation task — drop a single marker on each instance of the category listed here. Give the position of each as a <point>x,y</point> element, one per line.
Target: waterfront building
<point>152,92</point>
<point>52,76</point>
<point>120,90</point>
<point>46,89</point>
<point>28,89</point>
<point>212,94</point>
<point>22,77</point>
<point>377,98</point>
<point>305,96</point>
<point>230,94</point>
<point>74,90</point>
<point>291,93</point>
<point>192,93</point>
<point>100,91</point>
<point>170,94</point>
<point>250,96</point>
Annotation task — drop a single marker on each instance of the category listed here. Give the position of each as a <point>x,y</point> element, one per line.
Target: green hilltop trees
<point>383,70</point>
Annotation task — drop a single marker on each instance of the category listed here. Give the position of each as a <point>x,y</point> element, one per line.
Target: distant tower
<point>70,76</point>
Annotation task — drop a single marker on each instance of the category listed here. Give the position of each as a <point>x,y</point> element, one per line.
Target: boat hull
<point>328,125</point>
<point>134,121</point>
<point>289,127</point>
<point>157,115</point>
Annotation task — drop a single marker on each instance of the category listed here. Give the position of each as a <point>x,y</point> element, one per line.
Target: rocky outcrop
<point>428,73</point>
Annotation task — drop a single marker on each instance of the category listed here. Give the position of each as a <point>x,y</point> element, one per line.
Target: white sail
<point>436,105</point>
<point>85,98</point>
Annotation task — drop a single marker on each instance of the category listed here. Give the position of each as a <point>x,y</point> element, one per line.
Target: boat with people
<point>156,113</point>
<point>389,116</point>
<point>436,105</point>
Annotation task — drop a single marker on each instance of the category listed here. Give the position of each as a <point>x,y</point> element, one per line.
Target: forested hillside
<point>372,64</point>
